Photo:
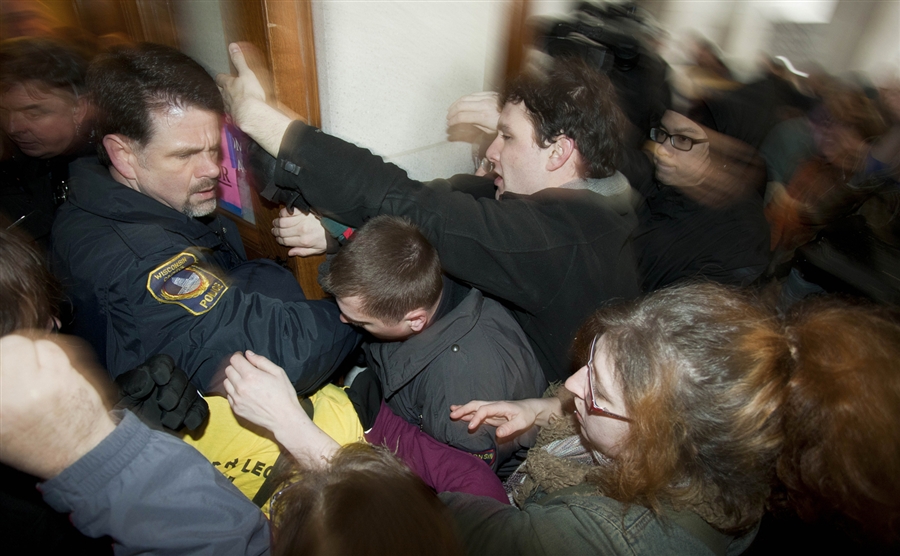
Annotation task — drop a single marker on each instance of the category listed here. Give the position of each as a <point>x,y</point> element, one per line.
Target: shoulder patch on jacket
<point>181,281</point>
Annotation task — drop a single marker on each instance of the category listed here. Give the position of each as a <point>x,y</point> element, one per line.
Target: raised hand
<point>246,99</point>
<point>478,109</point>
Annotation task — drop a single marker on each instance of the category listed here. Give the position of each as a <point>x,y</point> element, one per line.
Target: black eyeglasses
<point>593,408</point>
<point>680,142</point>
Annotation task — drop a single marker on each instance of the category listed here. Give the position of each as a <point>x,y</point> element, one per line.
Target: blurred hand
<point>160,394</point>
<point>303,233</point>
<point>51,413</point>
<point>511,417</point>
<point>478,109</point>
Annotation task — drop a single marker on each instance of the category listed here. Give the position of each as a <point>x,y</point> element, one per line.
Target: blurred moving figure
<point>841,441</point>
<point>701,215</point>
<point>45,114</point>
<point>833,183</point>
<point>29,297</point>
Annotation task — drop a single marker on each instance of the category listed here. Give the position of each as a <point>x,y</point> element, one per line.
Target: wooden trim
<point>282,30</point>
<point>519,38</point>
<point>293,54</point>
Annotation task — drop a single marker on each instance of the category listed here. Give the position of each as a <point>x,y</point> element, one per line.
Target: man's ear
<point>121,153</point>
<point>417,320</point>
<point>560,152</point>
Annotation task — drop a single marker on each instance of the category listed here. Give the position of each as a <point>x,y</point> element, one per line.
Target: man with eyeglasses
<point>701,216</point>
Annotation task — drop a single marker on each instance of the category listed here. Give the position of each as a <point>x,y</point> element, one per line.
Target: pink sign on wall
<point>234,193</point>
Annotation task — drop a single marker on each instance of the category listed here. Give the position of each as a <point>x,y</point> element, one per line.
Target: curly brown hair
<point>578,101</point>
<point>703,369</point>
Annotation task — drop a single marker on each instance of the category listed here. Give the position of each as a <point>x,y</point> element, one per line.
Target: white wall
<point>200,33</point>
<point>388,71</point>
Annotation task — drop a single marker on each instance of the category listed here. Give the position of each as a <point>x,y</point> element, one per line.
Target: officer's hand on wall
<point>160,394</point>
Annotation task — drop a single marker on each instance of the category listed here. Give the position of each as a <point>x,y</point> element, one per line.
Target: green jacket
<point>572,521</point>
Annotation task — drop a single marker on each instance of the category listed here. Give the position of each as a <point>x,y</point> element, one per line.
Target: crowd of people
<point>609,339</point>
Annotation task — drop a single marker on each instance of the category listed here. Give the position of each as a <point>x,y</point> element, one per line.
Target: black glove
<point>161,395</point>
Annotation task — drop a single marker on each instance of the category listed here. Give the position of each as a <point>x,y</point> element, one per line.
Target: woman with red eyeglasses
<point>677,418</point>
<point>668,439</point>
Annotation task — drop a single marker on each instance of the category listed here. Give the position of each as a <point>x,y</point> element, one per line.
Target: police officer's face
<point>179,165</point>
<point>42,121</point>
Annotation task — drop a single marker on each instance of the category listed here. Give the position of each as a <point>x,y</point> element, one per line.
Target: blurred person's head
<point>681,154</point>
<point>365,501</point>
<point>26,18</point>
<point>889,99</point>
<point>708,166</point>
<point>158,124</point>
<point>684,388</point>
<point>387,280</point>
<point>29,294</point>
<point>845,124</point>
<point>556,128</point>
<point>43,106</point>
<point>842,440</point>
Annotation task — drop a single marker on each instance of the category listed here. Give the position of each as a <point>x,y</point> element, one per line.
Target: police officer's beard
<point>200,208</point>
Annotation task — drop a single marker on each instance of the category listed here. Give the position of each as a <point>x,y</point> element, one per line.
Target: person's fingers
<point>135,384</point>
<point>264,364</point>
<point>197,414</point>
<point>223,80</point>
<point>237,58</point>
<point>161,368</point>
<point>232,377</point>
<point>467,409</point>
<point>507,429</point>
<point>304,251</point>
<point>229,389</point>
<point>240,366</point>
<point>171,394</point>
<point>50,356</point>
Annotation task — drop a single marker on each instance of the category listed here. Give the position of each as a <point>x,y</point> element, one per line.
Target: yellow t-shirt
<point>246,453</point>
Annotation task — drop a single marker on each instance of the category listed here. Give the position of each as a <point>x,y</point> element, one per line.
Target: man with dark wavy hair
<point>149,268</point>
<point>554,245</point>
